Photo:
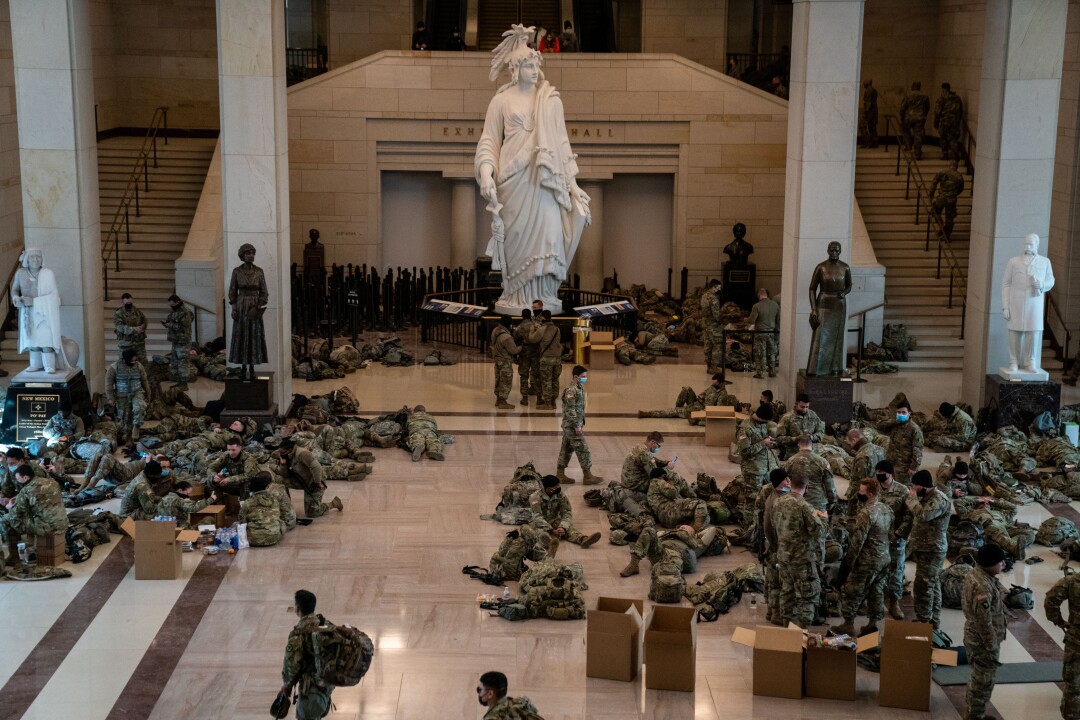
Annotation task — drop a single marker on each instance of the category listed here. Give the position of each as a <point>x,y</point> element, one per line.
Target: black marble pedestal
<point>31,402</point>
<point>739,284</point>
<point>250,398</point>
<point>830,397</point>
<point>1019,402</point>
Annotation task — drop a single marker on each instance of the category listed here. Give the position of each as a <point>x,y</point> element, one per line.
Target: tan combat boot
<point>356,477</point>
<point>867,629</point>
<point>362,469</point>
<point>553,547</point>
<point>436,456</point>
<point>589,479</point>
<point>336,503</point>
<point>846,628</point>
<point>632,568</point>
<point>503,405</point>
<point>560,473</point>
<point>895,611</point>
<point>135,432</point>
<point>591,540</point>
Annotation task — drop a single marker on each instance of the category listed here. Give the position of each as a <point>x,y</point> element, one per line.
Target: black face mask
<point>921,491</point>
<point>882,477</point>
<point>554,492</point>
<point>862,498</point>
<point>801,413</point>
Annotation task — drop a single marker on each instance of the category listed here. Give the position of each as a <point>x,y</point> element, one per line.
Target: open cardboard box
<point>601,349</point>
<point>907,653</point>
<point>778,659</point>
<point>671,648</point>
<point>158,547</point>
<point>830,672</point>
<point>614,634</point>
<point>209,515</point>
<point>721,424</point>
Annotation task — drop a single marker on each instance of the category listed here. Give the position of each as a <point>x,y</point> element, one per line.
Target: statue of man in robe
<point>1027,278</point>
<point>35,293</point>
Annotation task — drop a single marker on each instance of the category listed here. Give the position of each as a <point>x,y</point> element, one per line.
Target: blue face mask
<point>901,418</point>
<point>164,471</point>
<point>654,450</point>
<point>583,380</point>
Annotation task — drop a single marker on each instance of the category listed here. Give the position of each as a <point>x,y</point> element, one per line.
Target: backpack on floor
<point>342,653</point>
<point>1056,530</point>
<point>1019,598</point>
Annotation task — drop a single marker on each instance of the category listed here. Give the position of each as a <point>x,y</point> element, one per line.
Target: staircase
<point>157,237</point>
<point>494,17</point>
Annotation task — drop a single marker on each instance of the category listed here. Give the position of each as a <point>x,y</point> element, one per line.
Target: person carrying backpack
<point>491,693</point>
<point>313,700</point>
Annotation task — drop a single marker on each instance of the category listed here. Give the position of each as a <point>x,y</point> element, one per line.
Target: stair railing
<point>1062,349</point>
<point>861,330</point>
<point>7,310</point>
<point>140,174</point>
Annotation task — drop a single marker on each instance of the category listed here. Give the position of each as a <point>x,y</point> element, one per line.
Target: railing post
<point>952,276</point>
<point>862,341</point>
<point>938,277</point>
<point>116,250</point>
<point>723,353</point>
<point>897,158</point>
<point>138,212</point>
<point>963,318</point>
<point>165,123</point>
<point>907,187</point>
<point>146,173</point>
<point>127,231</point>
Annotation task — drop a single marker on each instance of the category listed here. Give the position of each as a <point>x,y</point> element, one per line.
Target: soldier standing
<point>545,335</point>
<point>820,489</point>
<point>298,668</point>
<point>913,111</point>
<point>948,119</point>
<point>945,188</point>
<point>866,456</point>
<point>800,421</point>
<point>178,326</point>
<point>984,626</point>
<point>765,315</point>
<point>1068,589</point>
<point>894,494</point>
<point>957,431</point>
<point>779,485</point>
<point>754,445</point>
<point>866,561</point>
<point>905,449</point>
<point>711,326</point>
<point>799,529</point>
<point>529,359</point>
<point>929,525</point>
<point>503,348</point>
<point>129,324</point>
<point>126,388</point>
<point>868,121</point>
<point>573,427</point>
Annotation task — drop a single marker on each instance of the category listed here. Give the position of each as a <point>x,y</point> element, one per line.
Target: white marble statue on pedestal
<point>1027,278</point>
<point>35,293</point>
<point>527,174</point>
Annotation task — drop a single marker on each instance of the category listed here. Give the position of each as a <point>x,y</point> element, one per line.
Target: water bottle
<point>24,555</point>
<point>753,603</point>
<point>506,592</point>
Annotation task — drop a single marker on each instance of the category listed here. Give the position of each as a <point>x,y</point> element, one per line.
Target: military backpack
<point>668,584</point>
<point>1056,530</point>
<point>965,534</point>
<point>952,585</point>
<point>343,654</point>
<point>1019,598</point>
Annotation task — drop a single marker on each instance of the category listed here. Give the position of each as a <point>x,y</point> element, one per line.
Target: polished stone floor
<point>102,645</point>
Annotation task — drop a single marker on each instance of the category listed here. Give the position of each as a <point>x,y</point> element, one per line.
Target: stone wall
<point>359,28</point>
<point>11,216</point>
<point>896,35</point>
<point>958,56</point>
<point>695,29</point>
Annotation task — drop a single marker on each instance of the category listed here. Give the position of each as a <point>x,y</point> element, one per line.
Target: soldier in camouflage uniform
<point>266,518</point>
<point>945,189</point>
<point>984,627</point>
<point>865,457</point>
<point>905,449</point>
<point>177,503</point>
<point>108,467</point>
<point>547,338</point>
<point>799,529</point>
<point>145,492</point>
<point>529,359</point>
<point>913,111</point>
<point>298,669</point>
<point>63,428</point>
<point>997,518</point>
<point>422,435</point>
<point>491,693</point>
<point>866,561</point>
<point>779,485</point>
<point>299,469</point>
<point>504,349</point>
<point>1068,589</point>
<point>948,121</point>
<point>928,520</point>
<point>674,502</point>
<point>178,327</point>
<point>638,465</point>
<point>955,431</point>
<point>954,479</point>
<point>36,509</point>
<point>869,119</point>
<point>711,326</point>
<point>820,489</point>
<point>573,428</point>
<point>129,325</point>
<point>800,421</point>
<point>553,518</point>
<point>628,354</point>
<point>894,494</point>
<point>754,447</point>
<point>689,402</point>
<point>765,315</point>
<point>126,388</point>
<point>232,472</point>
<point>652,544</point>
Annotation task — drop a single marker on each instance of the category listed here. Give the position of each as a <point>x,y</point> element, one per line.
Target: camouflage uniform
<point>905,449</point>
<point>957,433</point>
<point>124,323</point>
<point>237,473</point>
<point>141,499</point>
<point>711,330</point>
<point>674,502</point>
<point>654,343</point>
<point>551,512</point>
<point>948,483</point>
<point>765,501</point>
<point>528,360</point>
<point>106,466</point>
<point>38,510</point>
<point>423,435</point>
<point>998,521</point>
<point>913,111</point>
<point>627,354</point>
<point>869,119</point>
<point>948,116</point>
<point>792,425</point>
<point>510,708</point>
<point>180,507</point>
<point>867,557</point>
<point>635,470</point>
<point>299,669</point>
<point>503,348</point>
<point>178,328</point>
<point>798,533</point>
<point>951,185</point>
<point>546,337</point>
<point>265,518</point>
<point>984,631</point>
<point>866,457</point>
<point>895,496</point>
<point>126,386</point>
<point>305,473</point>
<point>63,429</point>
<point>820,489</point>
<point>689,402</point>
<point>756,460</point>
<point>1067,588</point>
<point>573,427</point>
<point>765,315</point>
<point>652,544</point>
<point>929,543</point>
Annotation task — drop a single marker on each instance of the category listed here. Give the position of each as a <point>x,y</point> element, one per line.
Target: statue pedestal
<point>830,397</point>
<point>35,396</point>
<point>250,398</point>
<point>740,284</point>
<point>1018,402</point>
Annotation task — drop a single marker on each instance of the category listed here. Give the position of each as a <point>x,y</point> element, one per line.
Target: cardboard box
<point>778,659</point>
<point>50,549</point>
<point>830,672</point>
<point>601,350</point>
<point>907,651</point>
<point>209,515</point>
<point>614,634</point>
<point>198,491</point>
<point>721,424</point>
<point>158,548</point>
<point>671,649</point>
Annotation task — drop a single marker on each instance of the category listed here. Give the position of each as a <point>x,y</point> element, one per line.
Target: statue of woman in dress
<point>829,287</point>
<point>35,294</point>
<point>527,174</point>
<point>248,297</point>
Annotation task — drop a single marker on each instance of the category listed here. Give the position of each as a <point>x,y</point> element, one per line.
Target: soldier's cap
<point>549,481</point>
<point>946,409</point>
<point>272,441</point>
<point>885,466</point>
<point>904,404</point>
<point>989,555</point>
<point>129,355</point>
<point>174,298</point>
<point>960,468</point>
<point>778,476</point>
<point>764,412</point>
<point>152,469</point>
<point>922,479</point>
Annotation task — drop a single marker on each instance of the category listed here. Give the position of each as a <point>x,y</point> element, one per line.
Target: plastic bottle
<point>506,592</point>
<point>753,603</point>
<point>24,555</point>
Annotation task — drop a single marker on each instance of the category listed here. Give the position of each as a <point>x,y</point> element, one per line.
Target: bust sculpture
<point>35,293</point>
<point>248,296</point>
<point>1028,277</point>
<point>527,174</point>
<point>738,250</point>
<point>829,286</point>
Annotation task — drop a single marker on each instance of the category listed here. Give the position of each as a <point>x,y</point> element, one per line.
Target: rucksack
<point>513,611</point>
<point>342,653</point>
<point>77,548</point>
<point>668,584</point>
<point>952,585</point>
<point>1019,598</point>
<point>1056,530</point>
<point>965,534</point>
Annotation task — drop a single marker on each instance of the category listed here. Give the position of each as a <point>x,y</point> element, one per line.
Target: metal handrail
<point>861,330</point>
<point>969,147</point>
<point>1052,304</point>
<point>110,245</point>
<point>5,296</point>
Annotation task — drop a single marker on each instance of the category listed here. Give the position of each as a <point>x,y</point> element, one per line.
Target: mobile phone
<point>675,459</point>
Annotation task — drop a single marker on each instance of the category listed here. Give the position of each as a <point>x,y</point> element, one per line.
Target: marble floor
<point>209,645</point>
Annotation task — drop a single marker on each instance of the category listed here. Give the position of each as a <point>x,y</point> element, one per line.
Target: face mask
<point>480,699</point>
<point>881,477</point>
<point>583,380</point>
<point>862,498</point>
<point>901,418</point>
<point>801,412</point>
<point>785,490</point>
<point>127,305</point>
<point>920,491</point>
<point>654,450</point>
<point>164,471</point>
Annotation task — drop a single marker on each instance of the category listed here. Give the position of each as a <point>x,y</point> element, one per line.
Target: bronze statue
<point>829,286</point>
<point>738,250</point>
<point>248,297</point>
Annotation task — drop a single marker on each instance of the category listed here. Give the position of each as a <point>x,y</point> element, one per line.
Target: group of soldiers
<point>948,120</point>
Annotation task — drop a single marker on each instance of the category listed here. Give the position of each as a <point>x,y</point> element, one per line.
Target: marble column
<point>589,260</point>
<point>54,92</point>
<point>1014,166</point>
<point>826,50</point>
<point>463,223</point>
<point>255,163</point>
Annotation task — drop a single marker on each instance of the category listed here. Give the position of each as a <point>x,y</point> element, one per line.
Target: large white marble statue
<point>527,174</point>
<point>35,293</point>
<point>1027,278</point>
